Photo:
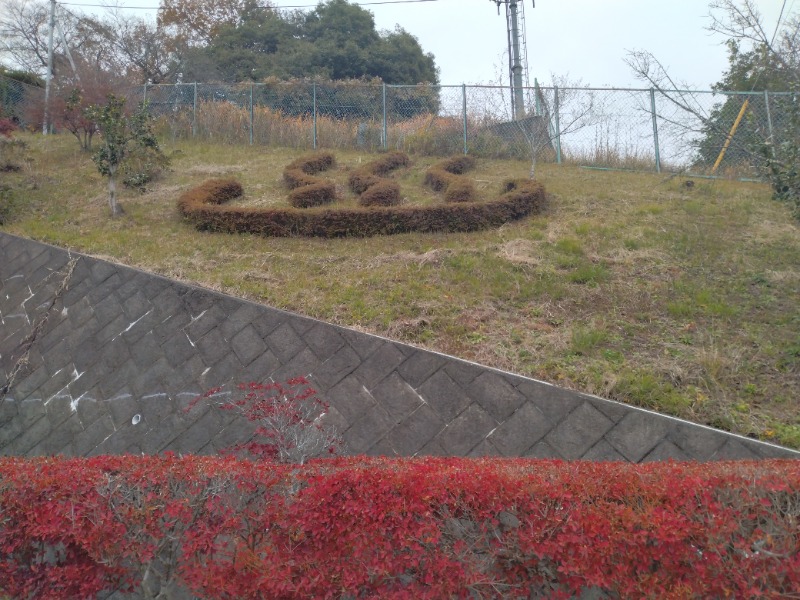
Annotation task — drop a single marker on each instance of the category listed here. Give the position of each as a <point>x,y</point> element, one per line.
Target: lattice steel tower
<point>517,53</point>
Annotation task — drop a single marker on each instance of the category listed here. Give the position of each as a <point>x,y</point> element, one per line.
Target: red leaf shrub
<point>394,528</point>
<point>7,127</point>
<point>289,417</point>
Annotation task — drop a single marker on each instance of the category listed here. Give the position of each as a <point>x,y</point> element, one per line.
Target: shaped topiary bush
<point>370,184</point>
<point>306,189</point>
<point>445,176</point>
<point>202,207</point>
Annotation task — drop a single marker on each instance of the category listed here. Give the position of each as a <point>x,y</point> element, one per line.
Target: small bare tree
<point>290,420</point>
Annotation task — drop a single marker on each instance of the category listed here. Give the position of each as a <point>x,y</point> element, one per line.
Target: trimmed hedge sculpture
<point>202,206</point>
<point>445,176</point>
<point>219,528</point>
<point>370,183</point>
<point>307,190</point>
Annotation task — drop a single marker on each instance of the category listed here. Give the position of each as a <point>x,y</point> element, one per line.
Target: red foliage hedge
<point>446,176</point>
<point>520,198</point>
<point>306,189</point>
<point>393,528</point>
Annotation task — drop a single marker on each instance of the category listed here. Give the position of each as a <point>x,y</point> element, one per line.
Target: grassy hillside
<point>633,286</point>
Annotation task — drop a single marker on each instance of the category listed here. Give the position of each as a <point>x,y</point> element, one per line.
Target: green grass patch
<point>589,274</point>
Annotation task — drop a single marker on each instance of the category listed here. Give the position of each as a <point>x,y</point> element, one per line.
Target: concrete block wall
<point>99,358</point>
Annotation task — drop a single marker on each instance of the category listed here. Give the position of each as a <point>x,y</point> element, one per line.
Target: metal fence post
<point>144,94</point>
<point>464,101</point>
<point>385,140</point>
<point>558,125</point>
<point>314,100</point>
<point>655,128</point>
<point>769,116</point>
<point>251,113</point>
<point>194,111</point>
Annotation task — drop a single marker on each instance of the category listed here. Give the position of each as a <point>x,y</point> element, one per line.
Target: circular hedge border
<point>203,206</point>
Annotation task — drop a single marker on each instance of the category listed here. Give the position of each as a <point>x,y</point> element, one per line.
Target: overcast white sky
<point>585,41</point>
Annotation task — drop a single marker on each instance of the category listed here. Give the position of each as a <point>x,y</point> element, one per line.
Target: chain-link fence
<point>18,101</point>
<point>642,129</point>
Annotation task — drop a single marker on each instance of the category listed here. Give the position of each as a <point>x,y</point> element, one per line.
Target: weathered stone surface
<point>637,433</point>
<point>248,345</point>
<point>496,395</point>
<point>520,431</point>
<point>378,365</point>
<point>416,431</point>
<point>397,397</point>
<point>351,399</point>
<point>444,396</point>
<point>366,432</point>
<point>337,367</point>
<point>419,366</point>
<point>466,431</point>
<point>665,450</point>
<point>603,451</point>
<point>579,431</point>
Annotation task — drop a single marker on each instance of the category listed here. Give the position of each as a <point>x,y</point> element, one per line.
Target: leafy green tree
<point>260,47</point>
<point>337,40</point>
<point>399,59</point>
<point>755,69</point>
<point>124,135</point>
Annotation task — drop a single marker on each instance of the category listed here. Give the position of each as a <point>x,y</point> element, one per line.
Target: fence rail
<point>637,128</point>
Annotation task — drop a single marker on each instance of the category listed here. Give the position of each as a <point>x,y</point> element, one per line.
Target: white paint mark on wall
<point>27,318</point>
<point>190,339</point>
<point>60,393</point>
<point>74,402</point>
<point>131,325</point>
<point>18,316</point>
<point>200,316</point>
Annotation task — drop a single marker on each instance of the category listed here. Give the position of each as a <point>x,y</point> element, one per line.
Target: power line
<point>82,4</point>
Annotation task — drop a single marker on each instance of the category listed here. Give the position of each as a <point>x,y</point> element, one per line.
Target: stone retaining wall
<point>98,358</point>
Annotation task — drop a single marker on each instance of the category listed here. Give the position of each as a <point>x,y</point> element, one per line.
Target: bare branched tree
<point>761,58</point>
<point>142,47</point>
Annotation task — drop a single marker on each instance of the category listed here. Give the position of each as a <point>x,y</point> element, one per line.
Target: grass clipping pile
<point>378,213</point>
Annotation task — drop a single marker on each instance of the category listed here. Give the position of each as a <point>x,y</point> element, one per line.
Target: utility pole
<point>517,53</point>
<point>48,81</point>
<point>516,63</point>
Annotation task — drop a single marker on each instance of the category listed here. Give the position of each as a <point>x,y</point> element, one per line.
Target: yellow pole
<point>730,135</point>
